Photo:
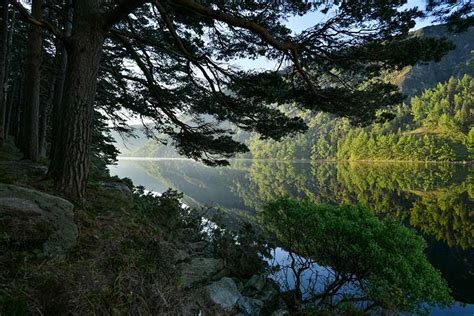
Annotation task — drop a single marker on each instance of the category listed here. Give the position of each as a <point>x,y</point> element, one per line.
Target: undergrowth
<point>122,264</point>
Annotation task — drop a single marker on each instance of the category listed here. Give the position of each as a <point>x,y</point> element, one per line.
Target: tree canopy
<point>165,60</point>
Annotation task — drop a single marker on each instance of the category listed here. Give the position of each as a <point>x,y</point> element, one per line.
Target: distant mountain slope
<point>413,80</point>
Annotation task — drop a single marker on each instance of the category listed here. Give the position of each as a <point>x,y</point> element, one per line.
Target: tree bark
<point>45,108</point>
<point>13,95</point>
<point>3,57</point>
<point>12,85</point>
<point>16,110</point>
<point>71,161</point>
<point>32,85</point>
<point>57,113</point>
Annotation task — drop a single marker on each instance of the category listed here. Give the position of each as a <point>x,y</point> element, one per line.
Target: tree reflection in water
<point>435,199</point>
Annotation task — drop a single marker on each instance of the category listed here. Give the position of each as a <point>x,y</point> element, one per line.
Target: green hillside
<point>438,126</point>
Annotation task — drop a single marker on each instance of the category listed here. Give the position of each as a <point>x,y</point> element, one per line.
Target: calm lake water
<point>435,199</point>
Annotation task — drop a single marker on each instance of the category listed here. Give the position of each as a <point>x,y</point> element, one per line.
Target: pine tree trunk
<point>3,57</point>
<point>45,108</point>
<point>32,86</point>
<point>20,111</point>
<point>60,65</point>
<point>10,116</point>
<point>12,85</point>
<point>71,161</point>
<point>15,120</point>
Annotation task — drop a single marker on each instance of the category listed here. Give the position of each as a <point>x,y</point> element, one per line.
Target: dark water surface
<point>435,199</point>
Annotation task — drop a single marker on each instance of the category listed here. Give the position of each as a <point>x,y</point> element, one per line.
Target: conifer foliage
<point>164,59</point>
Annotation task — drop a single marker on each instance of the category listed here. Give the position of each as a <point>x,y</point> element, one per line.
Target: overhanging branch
<point>38,22</point>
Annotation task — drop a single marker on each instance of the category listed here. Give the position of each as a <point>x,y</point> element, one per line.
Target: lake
<point>435,199</point>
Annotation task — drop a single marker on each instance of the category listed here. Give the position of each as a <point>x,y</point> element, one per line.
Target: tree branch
<point>252,26</point>
<point>38,22</point>
<point>120,11</point>
<point>151,83</point>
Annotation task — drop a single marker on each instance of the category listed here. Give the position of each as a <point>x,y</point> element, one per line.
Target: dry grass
<point>122,264</point>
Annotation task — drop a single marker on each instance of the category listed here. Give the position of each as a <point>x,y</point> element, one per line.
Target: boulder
<point>269,294</point>
<point>254,285</point>
<point>170,250</point>
<point>32,219</point>
<point>250,306</point>
<point>199,270</point>
<point>22,223</point>
<point>180,256</point>
<point>118,186</point>
<point>224,293</point>
<point>261,288</point>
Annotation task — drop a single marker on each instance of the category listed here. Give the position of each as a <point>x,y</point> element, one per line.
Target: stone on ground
<point>250,306</point>
<point>224,293</point>
<point>30,218</point>
<point>199,270</point>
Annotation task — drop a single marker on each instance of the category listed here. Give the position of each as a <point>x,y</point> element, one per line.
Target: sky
<point>300,23</point>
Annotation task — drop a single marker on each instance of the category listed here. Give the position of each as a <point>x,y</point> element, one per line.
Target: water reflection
<point>436,199</point>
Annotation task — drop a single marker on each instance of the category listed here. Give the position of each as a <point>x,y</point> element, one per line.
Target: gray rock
<point>254,285</point>
<point>22,223</point>
<point>269,294</point>
<point>31,217</point>
<point>261,288</point>
<point>224,293</point>
<point>199,270</point>
<point>118,186</point>
<point>281,312</point>
<point>250,306</point>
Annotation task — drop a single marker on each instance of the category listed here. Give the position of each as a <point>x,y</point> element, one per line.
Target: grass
<point>122,264</point>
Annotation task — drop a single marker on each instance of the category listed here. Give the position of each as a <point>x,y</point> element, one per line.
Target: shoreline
<point>461,162</point>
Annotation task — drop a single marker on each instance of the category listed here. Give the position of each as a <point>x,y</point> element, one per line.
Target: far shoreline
<point>460,162</point>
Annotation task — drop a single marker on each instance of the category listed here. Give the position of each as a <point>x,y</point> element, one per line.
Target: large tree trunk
<point>45,108</point>
<point>61,64</point>
<point>12,85</point>
<point>32,86</point>
<point>3,57</point>
<point>15,119</point>
<point>59,71</point>
<point>70,164</point>
<point>11,111</point>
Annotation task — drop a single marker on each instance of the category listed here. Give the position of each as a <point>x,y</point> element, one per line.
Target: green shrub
<point>382,260</point>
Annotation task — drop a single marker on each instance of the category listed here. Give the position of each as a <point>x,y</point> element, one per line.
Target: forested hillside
<point>436,126</point>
